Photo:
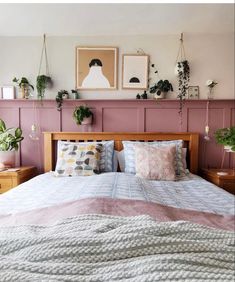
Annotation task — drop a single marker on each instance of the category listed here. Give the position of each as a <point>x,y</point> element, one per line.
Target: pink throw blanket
<point>118,207</point>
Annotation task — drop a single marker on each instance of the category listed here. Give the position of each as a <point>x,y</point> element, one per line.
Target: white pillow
<point>121,160</point>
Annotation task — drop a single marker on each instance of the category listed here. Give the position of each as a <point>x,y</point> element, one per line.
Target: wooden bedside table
<point>227,182</point>
<point>10,179</point>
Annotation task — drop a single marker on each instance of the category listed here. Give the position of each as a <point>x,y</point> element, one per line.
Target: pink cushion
<point>156,163</point>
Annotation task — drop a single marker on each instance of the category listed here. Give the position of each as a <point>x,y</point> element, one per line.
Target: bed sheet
<point>190,192</point>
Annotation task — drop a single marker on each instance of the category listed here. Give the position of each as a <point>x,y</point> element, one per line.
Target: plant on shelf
<point>210,84</point>
<point>82,115</point>
<point>75,93</point>
<point>25,86</point>
<point>9,143</point>
<point>226,137</point>
<point>62,94</point>
<point>43,82</point>
<point>161,88</point>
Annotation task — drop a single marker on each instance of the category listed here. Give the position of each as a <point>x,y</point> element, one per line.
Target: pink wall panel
<point>158,120</point>
<point>120,119</point>
<point>49,120</point>
<point>121,115</point>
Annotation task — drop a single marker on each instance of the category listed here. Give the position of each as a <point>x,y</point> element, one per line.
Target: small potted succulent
<point>83,115</point>
<point>226,137</point>
<point>9,143</point>
<point>161,88</point>
<point>25,86</point>
<point>43,82</point>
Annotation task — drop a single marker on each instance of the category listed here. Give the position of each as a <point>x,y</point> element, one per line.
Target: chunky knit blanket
<point>113,248</point>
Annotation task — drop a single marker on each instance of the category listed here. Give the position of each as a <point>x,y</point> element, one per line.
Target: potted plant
<point>183,72</point>
<point>62,94</point>
<point>75,93</point>
<point>226,137</point>
<point>161,88</point>
<point>43,82</point>
<point>25,86</point>
<point>82,115</point>
<point>9,143</point>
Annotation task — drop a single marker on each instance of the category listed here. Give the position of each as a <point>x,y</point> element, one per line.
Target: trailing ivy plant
<point>80,113</point>
<point>43,82</point>
<point>60,97</point>
<point>25,86</point>
<point>183,72</point>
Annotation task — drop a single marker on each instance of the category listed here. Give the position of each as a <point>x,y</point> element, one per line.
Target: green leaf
<point>2,126</point>
<point>18,132</point>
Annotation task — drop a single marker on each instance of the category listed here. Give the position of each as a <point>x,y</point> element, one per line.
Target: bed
<point>116,226</point>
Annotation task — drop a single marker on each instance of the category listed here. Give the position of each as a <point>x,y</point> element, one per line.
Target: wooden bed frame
<point>191,141</point>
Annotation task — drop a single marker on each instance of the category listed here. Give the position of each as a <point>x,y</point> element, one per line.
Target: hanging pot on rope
<point>44,81</point>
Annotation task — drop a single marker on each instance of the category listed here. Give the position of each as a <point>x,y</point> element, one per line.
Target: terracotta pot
<point>7,158</point>
<point>87,120</point>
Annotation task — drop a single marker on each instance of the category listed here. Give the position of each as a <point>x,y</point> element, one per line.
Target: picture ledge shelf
<point>119,100</point>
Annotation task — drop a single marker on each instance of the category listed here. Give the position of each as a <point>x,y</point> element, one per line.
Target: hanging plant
<point>44,81</point>
<point>182,70</point>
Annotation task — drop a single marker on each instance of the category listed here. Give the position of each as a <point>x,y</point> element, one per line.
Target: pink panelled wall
<point>121,115</point>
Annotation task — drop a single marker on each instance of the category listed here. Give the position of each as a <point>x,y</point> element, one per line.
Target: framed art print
<point>135,71</point>
<point>96,68</point>
<point>7,92</point>
<point>193,92</point>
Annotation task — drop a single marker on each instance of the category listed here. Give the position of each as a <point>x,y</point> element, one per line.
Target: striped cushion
<point>129,152</point>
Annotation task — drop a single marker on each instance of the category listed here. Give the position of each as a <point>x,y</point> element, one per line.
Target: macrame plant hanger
<point>44,51</point>
<point>180,57</point>
<point>181,51</point>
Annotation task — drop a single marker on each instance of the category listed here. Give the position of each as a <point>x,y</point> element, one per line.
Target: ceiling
<point>114,19</point>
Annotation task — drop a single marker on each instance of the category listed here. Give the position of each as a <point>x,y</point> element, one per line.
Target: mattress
<point>190,192</point>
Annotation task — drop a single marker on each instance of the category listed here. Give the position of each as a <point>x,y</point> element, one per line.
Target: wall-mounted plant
<point>62,94</point>
<point>182,70</point>
<point>82,115</point>
<point>226,137</point>
<point>43,82</point>
<point>161,88</point>
<point>25,86</point>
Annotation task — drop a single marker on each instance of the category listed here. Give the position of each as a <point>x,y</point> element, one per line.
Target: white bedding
<point>191,192</point>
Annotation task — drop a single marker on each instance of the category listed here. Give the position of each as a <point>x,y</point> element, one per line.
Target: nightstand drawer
<point>5,184</point>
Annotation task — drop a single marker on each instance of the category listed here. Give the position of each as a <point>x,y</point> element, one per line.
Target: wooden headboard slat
<point>191,139</point>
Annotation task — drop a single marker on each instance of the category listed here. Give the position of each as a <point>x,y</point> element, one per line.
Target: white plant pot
<point>228,148</point>
<point>7,159</point>
<point>87,120</point>
<point>161,96</point>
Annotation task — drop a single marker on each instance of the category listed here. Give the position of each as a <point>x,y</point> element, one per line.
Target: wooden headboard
<point>191,141</point>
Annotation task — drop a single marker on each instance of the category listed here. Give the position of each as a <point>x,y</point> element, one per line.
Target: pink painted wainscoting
<point>121,115</point>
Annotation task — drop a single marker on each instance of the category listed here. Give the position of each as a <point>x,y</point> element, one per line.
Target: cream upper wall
<point>210,57</point>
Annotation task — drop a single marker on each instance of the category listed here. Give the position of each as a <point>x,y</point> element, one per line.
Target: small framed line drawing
<point>135,71</point>
<point>7,92</point>
<point>193,92</point>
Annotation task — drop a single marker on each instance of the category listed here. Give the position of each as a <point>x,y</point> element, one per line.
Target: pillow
<point>156,163</point>
<point>115,161</point>
<point>121,160</point>
<point>78,159</point>
<point>106,158</point>
<point>129,152</point>
<point>184,154</point>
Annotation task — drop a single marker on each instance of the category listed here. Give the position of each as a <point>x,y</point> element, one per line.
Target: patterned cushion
<point>156,163</point>
<point>78,159</point>
<point>106,158</point>
<point>129,152</point>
